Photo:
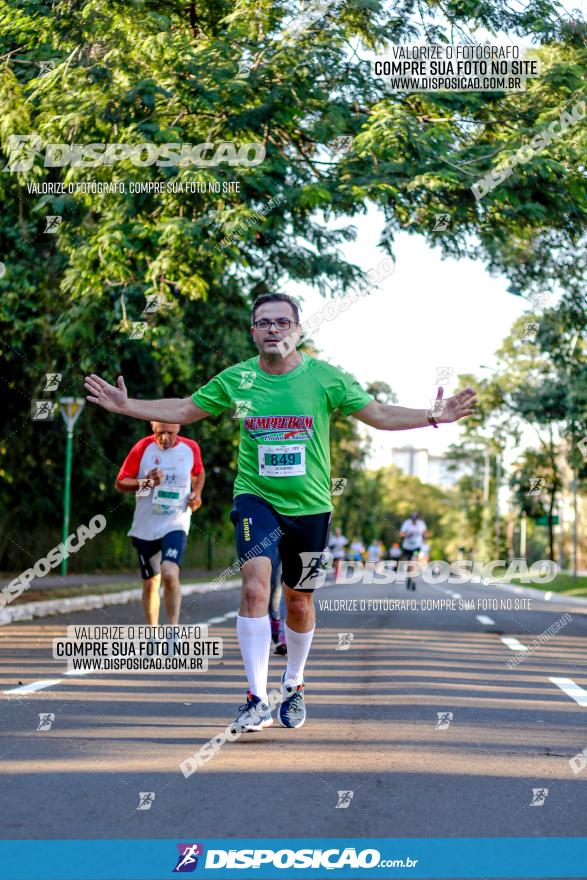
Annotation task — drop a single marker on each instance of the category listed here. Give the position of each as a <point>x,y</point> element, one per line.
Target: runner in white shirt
<point>413,532</point>
<point>375,551</point>
<point>356,550</point>
<point>166,474</point>
<point>337,544</point>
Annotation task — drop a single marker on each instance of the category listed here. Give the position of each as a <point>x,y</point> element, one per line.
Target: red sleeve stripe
<point>198,466</point>
<point>132,462</point>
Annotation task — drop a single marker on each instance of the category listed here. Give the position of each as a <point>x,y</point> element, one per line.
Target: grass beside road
<point>565,584</point>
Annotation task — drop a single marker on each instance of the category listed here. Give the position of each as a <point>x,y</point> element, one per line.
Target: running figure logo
<point>538,300</point>
<point>530,331</point>
<point>45,67</point>
<point>52,222</point>
<point>52,381</point>
<point>441,222</point>
<point>22,151</point>
<point>539,795</point>
<point>444,719</point>
<point>344,641</point>
<point>338,484</point>
<point>247,378</point>
<point>46,719</point>
<point>146,799</point>
<point>437,408</point>
<point>242,408</point>
<point>536,486</point>
<point>188,857</point>
<point>154,300</point>
<point>344,800</point>
<point>313,569</point>
<point>42,410</point>
<point>138,329</point>
<point>342,143</point>
<point>443,375</point>
<point>244,67</point>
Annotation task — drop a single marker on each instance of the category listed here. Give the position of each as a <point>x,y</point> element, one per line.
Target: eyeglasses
<point>280,323</point>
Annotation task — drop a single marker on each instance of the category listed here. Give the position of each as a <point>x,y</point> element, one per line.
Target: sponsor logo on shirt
<point>280,427</point>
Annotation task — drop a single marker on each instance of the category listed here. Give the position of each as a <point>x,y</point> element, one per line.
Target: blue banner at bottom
<point>287,858</point>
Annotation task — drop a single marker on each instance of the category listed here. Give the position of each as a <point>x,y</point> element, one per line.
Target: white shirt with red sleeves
<point>153,517</point>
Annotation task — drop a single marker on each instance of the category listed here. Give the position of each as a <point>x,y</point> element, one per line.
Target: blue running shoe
<point>252,715</point>
<point>292,711</point>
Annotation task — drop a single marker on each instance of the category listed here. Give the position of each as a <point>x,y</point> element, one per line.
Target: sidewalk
<point>77,580</point>
<point>30,610</point>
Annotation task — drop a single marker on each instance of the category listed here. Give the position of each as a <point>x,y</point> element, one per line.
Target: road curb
<point>50,607</point>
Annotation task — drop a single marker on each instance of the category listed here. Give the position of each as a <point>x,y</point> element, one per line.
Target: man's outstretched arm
<point>399,418</point>
<point>115,399</point>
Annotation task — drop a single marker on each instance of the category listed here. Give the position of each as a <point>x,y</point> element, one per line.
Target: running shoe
<point>281,649</point>
<point>292,711</point>
<point>153,651</point>
<point>252,715</point>
<point>173,646</point>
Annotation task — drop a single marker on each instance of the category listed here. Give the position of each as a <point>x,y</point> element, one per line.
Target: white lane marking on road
<point>33,686</point>
<point>572,689</point>
<point>49,682</point>
<point>547,596</point>
<point>514,644</point>
<point>482,618</point>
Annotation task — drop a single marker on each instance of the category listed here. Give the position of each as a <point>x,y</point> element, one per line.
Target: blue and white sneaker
<point>292,711</point>
<point>173,646</point>
<point>252,715</point>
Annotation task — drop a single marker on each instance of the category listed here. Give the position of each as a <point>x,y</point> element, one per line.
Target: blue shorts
<point>169,548</point>
<point>298,540</point>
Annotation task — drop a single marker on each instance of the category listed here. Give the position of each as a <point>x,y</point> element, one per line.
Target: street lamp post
<point>497,479</point>
<point>575,526</point>
<point>486,477</point>
<point>70,408</point>
<point>523,526</point>
<point>497,476</point>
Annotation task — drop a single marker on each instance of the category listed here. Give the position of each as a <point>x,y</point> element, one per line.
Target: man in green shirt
<point>282,503</point>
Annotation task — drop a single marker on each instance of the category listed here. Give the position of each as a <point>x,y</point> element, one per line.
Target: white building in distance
<point>427,466</point>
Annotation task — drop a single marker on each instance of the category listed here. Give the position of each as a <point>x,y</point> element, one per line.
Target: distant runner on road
<point>166,474</point>
<point>412,532</point>
<point>282,493</point>
<point>337,544</point>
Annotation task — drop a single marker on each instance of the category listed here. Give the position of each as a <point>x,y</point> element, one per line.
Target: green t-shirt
<point>284,451</point>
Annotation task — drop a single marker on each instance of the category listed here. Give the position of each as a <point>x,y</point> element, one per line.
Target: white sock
<point>254,638</point>
<point>298,648</point>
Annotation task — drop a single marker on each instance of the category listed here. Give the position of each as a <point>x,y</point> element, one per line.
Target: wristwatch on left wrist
<point>431,419</point>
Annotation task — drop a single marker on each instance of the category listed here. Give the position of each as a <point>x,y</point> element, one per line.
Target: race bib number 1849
<point>282,461</point>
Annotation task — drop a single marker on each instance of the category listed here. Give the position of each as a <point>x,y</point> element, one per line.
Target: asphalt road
<point>373,728</point>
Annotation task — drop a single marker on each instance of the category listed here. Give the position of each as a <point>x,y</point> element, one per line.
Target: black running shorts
<point>299,540</point>
<point>169,548</point>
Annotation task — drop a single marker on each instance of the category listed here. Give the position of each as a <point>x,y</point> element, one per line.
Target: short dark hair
<point>277,297</point>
